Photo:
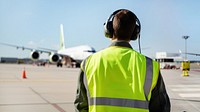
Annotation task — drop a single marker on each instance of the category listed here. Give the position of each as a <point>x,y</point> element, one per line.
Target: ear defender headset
<point>108,26</point>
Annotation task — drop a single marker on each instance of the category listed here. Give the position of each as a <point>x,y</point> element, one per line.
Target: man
<point>119,79</point>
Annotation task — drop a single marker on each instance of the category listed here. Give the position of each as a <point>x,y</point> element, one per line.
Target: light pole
<point>185,37</point>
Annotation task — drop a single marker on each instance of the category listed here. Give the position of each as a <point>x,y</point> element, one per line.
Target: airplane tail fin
<point>62,42</point>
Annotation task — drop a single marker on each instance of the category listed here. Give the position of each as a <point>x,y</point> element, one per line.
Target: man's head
<point>122,26</point>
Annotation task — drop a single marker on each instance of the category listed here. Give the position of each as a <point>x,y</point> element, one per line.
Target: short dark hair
<point>124,23</point>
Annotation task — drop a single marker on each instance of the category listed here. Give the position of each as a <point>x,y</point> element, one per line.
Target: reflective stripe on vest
<point>119,102</point>
<point>149,77</point>
<point>131,103</point>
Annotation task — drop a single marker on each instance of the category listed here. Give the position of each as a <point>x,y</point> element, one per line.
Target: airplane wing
<point>54,55</point>
<point>35,53</point>
<point>26,48</point>
<point>193,54</point>
<point>52,50</point>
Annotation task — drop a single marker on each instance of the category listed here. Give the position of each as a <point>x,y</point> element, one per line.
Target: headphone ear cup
<point>136,33</point>
<point>108,29</point>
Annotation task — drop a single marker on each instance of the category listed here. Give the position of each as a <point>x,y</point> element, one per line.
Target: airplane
<point>71,56</point>
<point>195,54</point>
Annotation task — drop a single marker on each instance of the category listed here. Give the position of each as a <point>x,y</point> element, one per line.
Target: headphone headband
<point>108,26</point>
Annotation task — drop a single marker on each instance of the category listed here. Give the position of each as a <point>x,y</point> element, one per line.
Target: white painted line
<point>186,89</point>
<point>184,85</point>
<point>190,95</point>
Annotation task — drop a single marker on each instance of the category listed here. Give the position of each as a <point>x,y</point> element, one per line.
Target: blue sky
<point>36,23</point>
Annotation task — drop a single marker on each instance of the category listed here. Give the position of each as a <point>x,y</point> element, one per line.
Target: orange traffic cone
<point>24,74</point>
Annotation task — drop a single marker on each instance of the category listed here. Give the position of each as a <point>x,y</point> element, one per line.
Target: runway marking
<point>58,108</point>
<point>187,95</point>
<point>36,103</point>
<point>187,89</point>
<point>36,80</point>
<point>196,70</point>
<point>186,86</point>
<point>34,91</point>
<point>53,104</point>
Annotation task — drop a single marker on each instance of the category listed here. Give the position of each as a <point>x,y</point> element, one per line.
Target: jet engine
<point>34,55</point>
<point>54,58</point>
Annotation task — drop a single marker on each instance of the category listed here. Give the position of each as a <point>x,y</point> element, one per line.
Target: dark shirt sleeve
<point>159,101</point>
<point>81,101</point>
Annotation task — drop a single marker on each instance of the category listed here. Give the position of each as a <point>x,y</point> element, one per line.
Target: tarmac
<point>52,89</point>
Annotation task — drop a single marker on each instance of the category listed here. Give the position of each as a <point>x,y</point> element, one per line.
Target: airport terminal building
<point>8,60</point>
<point>169,60</point>
<point>15,60</point>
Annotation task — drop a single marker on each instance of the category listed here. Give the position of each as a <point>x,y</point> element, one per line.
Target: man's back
<point>118,72</point>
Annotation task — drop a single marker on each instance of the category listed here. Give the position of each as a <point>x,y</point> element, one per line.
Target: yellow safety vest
<point>119,79</point>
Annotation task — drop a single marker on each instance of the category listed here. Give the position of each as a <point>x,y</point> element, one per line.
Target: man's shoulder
<point>151,59</point>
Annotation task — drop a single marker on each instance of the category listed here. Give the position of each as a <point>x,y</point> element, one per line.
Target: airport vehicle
<point>71,57</point>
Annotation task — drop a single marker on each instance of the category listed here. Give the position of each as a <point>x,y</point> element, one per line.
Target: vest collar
<point>121,44</point>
